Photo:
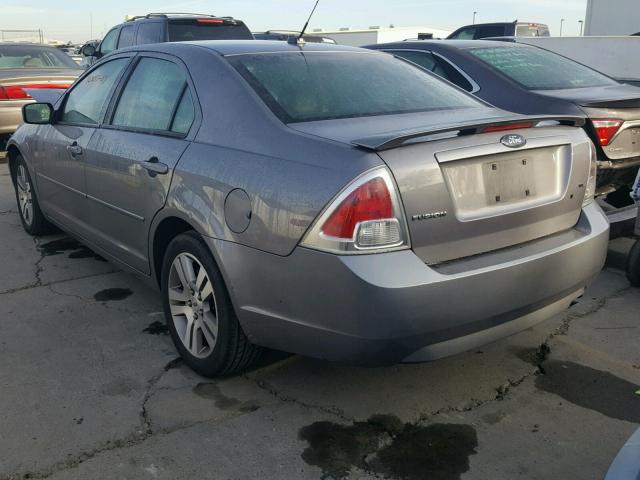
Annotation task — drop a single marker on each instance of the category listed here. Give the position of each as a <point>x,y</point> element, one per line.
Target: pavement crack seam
<point>143,432</point>
<point>331,410</point>
<point>563,328</point>
<point>56,282</point>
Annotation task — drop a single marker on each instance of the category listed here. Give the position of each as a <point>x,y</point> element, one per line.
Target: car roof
<point>241,47</point>
<point>449,44</point>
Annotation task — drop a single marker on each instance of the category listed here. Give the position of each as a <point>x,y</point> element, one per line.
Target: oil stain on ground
<point>383,445</point>
<point>112,294</point>
<point>157,328</point>
<point>593,389</point>
<point>62,245</point>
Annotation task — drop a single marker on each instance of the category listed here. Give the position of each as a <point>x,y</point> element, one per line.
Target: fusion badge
<point>428,216</point>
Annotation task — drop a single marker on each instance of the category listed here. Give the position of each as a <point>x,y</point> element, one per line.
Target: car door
<point>62,145</point>
<point>133,155</point>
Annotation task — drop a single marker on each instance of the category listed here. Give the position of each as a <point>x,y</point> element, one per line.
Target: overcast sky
<point>70,19</point>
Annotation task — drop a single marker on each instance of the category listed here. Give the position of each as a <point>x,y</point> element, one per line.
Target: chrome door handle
<point>155,167</point>
<point>74,149</point>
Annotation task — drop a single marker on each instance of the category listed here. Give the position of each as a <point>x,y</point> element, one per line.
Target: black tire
<point>633,265</point>
<point>232,352</point>
<point>32,219</point>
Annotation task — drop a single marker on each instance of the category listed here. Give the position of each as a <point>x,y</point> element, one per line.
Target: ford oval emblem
<point>513,140</point>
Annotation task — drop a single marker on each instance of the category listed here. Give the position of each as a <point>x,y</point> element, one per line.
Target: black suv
<point>167,27</point>
<point>501,29</point>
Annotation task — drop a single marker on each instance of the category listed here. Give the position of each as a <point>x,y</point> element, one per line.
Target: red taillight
<point>18,92</point>
<point>209,20</point>
<point>510,126</point>
<point>606,129</point>
<point>370,201</point>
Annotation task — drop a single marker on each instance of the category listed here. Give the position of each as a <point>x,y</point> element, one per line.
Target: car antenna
<point>299,40</point>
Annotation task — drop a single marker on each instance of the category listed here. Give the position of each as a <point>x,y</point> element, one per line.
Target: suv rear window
<point>532,30</point>
<point>537,69</point>
<point>206,29</point>
<point>309,86</point>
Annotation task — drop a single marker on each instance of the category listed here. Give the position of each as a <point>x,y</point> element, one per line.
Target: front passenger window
<point>466,34</point>
<point>153,96</point>
<point>108,43</point>
<point>85,104</point>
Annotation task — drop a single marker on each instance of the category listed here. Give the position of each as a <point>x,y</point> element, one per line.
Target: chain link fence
<point>32,36</point>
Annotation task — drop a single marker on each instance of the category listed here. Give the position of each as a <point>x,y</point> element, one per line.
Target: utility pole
<point>561,22</point>
<point>581,22</point>
<point>474,17</point>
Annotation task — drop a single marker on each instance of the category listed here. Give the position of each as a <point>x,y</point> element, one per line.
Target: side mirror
<point>88,51</point>
<point>37,113</point>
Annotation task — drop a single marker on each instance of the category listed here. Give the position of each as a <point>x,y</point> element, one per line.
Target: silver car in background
<point>25,68</point>
<point>322,200</point>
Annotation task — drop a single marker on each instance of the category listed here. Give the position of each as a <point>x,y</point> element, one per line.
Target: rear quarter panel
<point>288,176</point>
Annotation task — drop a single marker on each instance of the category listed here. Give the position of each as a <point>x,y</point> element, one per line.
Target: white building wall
<point>612,17</point>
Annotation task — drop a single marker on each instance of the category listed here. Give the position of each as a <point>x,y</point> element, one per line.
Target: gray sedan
<point>323,200</point>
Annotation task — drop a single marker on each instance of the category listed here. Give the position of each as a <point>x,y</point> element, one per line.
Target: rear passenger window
<point>490,31</point>
<point>184,113</point>
<point>453,75</point>
<point>155,98</point>
<point>126,36</point>
<point>439,66</point>
<point>422,59</point>
<point>149,32</point>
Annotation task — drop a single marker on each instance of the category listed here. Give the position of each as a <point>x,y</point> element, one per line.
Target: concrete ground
<point>91,388</point>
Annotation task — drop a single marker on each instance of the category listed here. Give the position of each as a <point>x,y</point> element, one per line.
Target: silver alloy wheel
<point>193,305</point>
<point>25,199</point>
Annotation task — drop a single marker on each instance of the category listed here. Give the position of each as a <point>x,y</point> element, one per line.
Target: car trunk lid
<point>466,193</point>
<point>472,195</point>
<point>21,85</point>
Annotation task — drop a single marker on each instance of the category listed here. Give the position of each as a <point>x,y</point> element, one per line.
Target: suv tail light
<point>606,129</point>
<point>18,92</point>
<point>366,216</point>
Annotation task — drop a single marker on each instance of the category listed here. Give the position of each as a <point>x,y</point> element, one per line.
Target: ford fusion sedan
<point>323,200</point>
<point>23,69</point>
<point>529,80</point>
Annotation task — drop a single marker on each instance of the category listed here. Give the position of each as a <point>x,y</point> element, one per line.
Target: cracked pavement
<point>91,387</point>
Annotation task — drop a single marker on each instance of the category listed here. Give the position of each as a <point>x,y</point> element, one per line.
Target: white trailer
<point>372,35</point>
<point>612,17</point>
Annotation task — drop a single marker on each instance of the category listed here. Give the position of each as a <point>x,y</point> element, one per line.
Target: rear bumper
<point>386,308</point>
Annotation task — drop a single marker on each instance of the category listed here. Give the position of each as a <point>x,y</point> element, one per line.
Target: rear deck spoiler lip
<point>393,140</point>
<point>631,102</point>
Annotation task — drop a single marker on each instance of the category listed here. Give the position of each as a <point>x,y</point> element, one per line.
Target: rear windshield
<point>308,86</point>
<point>30,56</point>
<point>191,30</point>
<point>537,69</point>
<point>532,30</point>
